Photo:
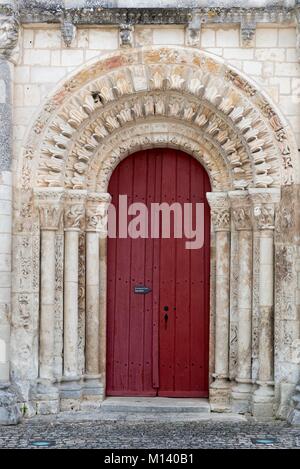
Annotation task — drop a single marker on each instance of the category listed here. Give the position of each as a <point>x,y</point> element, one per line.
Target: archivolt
<point>161,96</point>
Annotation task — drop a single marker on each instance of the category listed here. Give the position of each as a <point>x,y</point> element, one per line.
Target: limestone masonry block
<point>253,67</point>
<point>208,37</point>
<point>168,36</point>
<point>287,37</point>
<point>270,54</point>
<point>36,57</point>
<point>47,74</point>
<point>103,39</point>
<point>287,69</point>
<point>266,37</point>
<point>227,38</point>
<point>47,39</point>
<point>71,57</point>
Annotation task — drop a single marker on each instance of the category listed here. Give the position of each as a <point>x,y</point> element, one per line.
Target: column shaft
<point>96,232</point>
<point>92,303</point>
<point>47,305</point>
<point>245,306</point>
<point>5,273</point>
<point>222,305</point>
<point>71,305</point>
<point>266,292</point>
<point>220,214</point>
<point>265,202</point>
<point>74,210</point>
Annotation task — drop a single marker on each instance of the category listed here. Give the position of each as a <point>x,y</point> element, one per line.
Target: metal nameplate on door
<point>142,290</point>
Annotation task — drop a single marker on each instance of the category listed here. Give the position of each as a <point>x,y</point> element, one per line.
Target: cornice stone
<point>93,13</point>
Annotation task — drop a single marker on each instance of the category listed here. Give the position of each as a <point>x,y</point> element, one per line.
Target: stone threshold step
<point>155,404</point>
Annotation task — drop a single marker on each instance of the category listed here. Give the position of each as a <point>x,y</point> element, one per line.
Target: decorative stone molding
<point>220,210</point>
<point>265,203</point>
<point>126,35</point>
<point>155,16</point>
<point>86,112</point>
<point>74,210</point>
<point>49,203</point>
<point>9,34</point>
<point>96,211</point>
<point>132,138</point>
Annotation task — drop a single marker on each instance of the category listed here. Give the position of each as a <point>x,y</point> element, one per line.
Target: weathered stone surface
<point>92,83</point>
<point>10,413</point>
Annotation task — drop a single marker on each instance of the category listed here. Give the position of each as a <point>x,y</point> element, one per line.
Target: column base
<point>219,395</point>
<point>70,393</point>
<point>263,401</point>
<point>10,413</point>
<point>294,415</point>
<point>46,398</point>
<point>93,386</point>
<point>93,392</point>
<point>241,397</point>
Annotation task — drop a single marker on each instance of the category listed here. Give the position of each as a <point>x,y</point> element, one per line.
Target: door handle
<point>166,317</point>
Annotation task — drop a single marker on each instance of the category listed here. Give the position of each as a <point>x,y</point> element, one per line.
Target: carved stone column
<point>242,218</point>
<point>96,211</point>
<point>220,215</point>
<point>9,30</point>
<point>73,217</point>
<point>49,203</point>
<point>264,203</point>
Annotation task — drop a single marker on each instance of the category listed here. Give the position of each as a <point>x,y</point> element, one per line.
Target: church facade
<point>100,99</point>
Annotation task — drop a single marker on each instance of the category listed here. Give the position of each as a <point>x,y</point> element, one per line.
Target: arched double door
<point>158,290</point>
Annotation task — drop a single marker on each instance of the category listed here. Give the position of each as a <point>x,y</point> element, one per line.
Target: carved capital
<point>9,34</point>
<point>264,205</point>
<point>96,211</point>
<point>220,210</point>
<point>241,210</point>
<point>74,210</point>
<point>50,205</point>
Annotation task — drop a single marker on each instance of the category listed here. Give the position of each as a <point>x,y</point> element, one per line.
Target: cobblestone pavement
<point>167,432</point>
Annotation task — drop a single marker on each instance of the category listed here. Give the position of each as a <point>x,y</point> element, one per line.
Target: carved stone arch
<point>157,134</point>
<point>191,86</point>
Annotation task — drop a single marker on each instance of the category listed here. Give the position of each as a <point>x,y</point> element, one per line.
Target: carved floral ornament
<point>185,87</point>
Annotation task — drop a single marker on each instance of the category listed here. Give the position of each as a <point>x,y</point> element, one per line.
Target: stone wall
<point>261,43</point>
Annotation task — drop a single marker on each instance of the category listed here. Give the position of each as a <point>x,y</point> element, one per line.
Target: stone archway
<point>128,101</point>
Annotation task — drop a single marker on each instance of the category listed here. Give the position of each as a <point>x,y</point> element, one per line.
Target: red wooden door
<point>157,343</point>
